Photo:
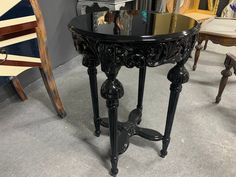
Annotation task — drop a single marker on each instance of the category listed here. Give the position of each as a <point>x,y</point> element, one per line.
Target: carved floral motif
<point>135,54</point>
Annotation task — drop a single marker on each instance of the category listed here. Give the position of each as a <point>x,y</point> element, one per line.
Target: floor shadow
<point>104,158</point>
<point>78,104</point>
<point>228,116</point>
<point>212,83</point>
<point>138,141</point>
<point>206,83</point>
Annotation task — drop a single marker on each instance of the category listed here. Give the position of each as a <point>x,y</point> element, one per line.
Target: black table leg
<point>92,71</point>
<point>130,128</point>
<point>112,106</point>
<point>142,77</point>
<point>177,75</point>
<point>112,90</point>
<point>91,63</point>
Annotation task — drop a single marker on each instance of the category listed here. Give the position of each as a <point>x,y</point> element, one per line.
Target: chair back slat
<point>20,22</point>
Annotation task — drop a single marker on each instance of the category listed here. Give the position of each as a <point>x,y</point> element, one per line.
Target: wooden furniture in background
<point>230,62</point>
<point>191,8</point>
<point>219,31</point>
<point>17,30</point>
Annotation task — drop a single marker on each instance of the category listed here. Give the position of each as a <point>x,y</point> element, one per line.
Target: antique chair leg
<point>112,90</point>
<point>46,69</point>
<point>142,76</point>
<point>91,63</point>
<point>177,75</point>
<point>197,54</point>
<point>19,89</point>
<point>51,87</point>
<point>226,73</point>
<point>205,46</point>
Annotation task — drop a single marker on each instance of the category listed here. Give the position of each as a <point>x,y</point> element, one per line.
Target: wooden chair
<point>230,62</point>
<point>191,8</point>
<point>14,31</point>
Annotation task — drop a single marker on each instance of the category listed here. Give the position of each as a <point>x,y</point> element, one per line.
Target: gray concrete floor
<point>35,143</point>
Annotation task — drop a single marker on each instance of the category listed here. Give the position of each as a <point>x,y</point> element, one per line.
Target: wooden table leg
<point>226,73</point>
<point>197,54</point>
<point>205,46</point>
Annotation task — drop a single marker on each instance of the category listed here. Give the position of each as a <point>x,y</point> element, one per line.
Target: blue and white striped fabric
<point>23,48</point>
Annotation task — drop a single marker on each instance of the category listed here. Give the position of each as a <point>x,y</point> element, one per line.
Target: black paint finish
<point>162,39</point>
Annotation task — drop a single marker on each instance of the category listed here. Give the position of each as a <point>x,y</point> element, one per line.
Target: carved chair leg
<point>46,69</point>
<point>112,90</point>
<point>197,54</point>
<point>51,87</point>
<point>19,89</point>
<point>142,77</point>
<point>177,75</point>
<point>205,46</point>
<point>226,73</point>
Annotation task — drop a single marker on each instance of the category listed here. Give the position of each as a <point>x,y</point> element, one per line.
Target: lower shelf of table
<point>131,128</point>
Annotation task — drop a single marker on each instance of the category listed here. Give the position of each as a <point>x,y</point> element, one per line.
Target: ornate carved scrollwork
<point>136,54</point>
<point>115,53</point>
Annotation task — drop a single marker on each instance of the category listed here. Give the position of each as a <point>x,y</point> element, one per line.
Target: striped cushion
<point>14,70</point>
<point>23,48</point>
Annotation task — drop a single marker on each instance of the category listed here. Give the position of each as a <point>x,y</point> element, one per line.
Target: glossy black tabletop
<point>133,25</point>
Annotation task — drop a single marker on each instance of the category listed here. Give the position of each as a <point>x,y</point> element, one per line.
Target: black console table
<point>133,39</point>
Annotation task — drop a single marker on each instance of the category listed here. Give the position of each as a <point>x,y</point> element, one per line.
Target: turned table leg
<point>142,77</point>
<point>197,54</point>
<point>112,90</point>
<point>205,46</point>
<point>91,62</point>
<point>92,71</point>
<point>226,73</point>
<point>177,75</point>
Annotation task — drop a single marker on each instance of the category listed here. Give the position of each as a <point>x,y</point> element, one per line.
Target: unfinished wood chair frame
<point>28,28</point>
<point>191,9</point>
<point>212,9</point>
